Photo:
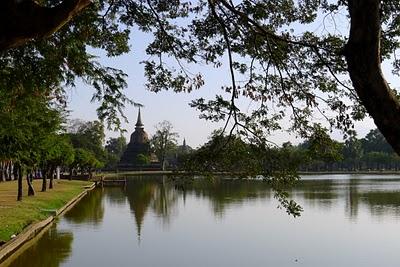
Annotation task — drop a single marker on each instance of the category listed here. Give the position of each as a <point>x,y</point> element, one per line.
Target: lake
<point>348,220</point>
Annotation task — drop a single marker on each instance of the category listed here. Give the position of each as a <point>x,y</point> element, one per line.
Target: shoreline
<point>118,173</point>
<point>137,173</point>
<point>351,172</point>
<point>33,230</point>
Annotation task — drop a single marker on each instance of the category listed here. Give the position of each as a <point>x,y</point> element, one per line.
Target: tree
<point>374,141</point>
<point>87,139</point>
<point>25,123</point>
<point>353,152</point>
<point>377,160</point>
<point>115,147</point>
<point>89,136</point>
<point>85,161</point>
<point>270,60</point>
<point>287,66</point>
<point>321,146</point>
<point>231,154</point>
<point>303,63</point>
<point>142,159</point>
<point>364,52</point>
<point>164,140</point>
<point>57,152</point>
<point>47,66</point>
<point>295,68</point>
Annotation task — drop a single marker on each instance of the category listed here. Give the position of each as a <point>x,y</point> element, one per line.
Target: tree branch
<point>21,21</point>
<point>363,56</point>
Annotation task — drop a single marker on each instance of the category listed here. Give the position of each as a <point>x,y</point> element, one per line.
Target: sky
<point>167,105</point>
<point>164,105</point>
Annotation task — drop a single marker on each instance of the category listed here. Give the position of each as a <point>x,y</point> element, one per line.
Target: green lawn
<point>16,215</point>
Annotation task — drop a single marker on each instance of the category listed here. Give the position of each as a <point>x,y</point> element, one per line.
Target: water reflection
<point>382,203</point>
<point>144,193</point>
<point>248,224</point>
<point>51,249</point>
<point>165,201</point>
<point>352,199</point>
<point>89,211</point>
<point>140,194</point>
<point>380,196</point>
<point>224,193</point>
<point>161,195</point>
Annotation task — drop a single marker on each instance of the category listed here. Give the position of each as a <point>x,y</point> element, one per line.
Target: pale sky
<point>167,105</point>
<point>164,105</point>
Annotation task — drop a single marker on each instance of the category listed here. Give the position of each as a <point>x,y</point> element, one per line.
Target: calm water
<point>347,221</point>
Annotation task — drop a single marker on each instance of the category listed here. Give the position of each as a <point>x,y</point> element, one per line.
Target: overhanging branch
<point>21,21</point>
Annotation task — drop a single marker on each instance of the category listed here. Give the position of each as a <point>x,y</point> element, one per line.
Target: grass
<point>16,215</point>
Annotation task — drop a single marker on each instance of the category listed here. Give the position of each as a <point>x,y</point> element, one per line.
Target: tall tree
<point>353,152</point>
<point>164,140</point>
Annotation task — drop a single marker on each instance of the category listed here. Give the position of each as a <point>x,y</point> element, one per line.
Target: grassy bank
<point>16,215</point>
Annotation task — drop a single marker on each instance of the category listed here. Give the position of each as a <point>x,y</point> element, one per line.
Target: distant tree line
<point>371,153</point>
<point>318,153</point>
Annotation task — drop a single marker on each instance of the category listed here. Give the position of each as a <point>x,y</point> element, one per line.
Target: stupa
<point>137,154</point>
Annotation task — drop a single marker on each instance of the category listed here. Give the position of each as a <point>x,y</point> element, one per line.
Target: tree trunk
<point>51,178</point>
<point>7,171</point>
<point>31,190</point>
<point>3,171</point>
<point>11,171</point>
<point>163,163</point>
<point>18,173</point>
<point>44,180</point>
<point>21,21</point>
<point>362,54</point>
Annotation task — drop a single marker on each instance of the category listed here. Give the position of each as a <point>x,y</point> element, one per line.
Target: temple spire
<point>139,123</point>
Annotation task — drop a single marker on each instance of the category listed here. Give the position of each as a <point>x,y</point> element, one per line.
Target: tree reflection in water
<point>89,210</point>
<point>163,197</point>
<point>380,196</point>
<point>52,249</point>
<point>223,193</point>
